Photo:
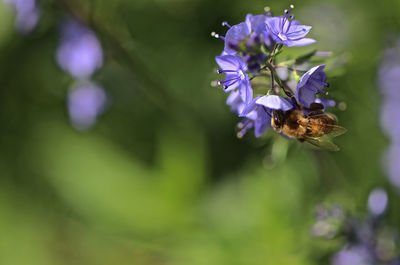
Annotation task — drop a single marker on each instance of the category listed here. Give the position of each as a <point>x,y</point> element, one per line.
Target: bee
<point>315,127</point>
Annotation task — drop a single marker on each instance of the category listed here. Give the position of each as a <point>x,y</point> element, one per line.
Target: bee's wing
<point>336,130</point>
<point>323,142</point>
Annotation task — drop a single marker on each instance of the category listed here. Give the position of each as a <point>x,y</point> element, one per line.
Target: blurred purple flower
<point>389,80</point>
<point>27,14</point>
<point>85,103</point>
<point>235,77</point>
<point>392,164</point>
<point>288,31</point>
<point>357,255</point>
<point>329,221</point>
<point>312,82</point>
<point>328,103</point>
<point>79,52</point>
<point>377,201</point>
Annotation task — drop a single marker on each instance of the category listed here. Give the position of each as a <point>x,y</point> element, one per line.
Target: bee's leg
<point>301,140</point>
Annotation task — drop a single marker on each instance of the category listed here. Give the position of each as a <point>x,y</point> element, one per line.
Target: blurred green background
<point>162,178</point>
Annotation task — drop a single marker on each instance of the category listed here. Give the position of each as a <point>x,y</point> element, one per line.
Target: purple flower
<point>389,73</point>
<point>235,77</point>
<point>288,31</point>
<point>257,113</point>
<point>357,255</point>
<point>392,164</point>
<point>234,35</point>
<point>27,14</point>
<point>389,79</point>
<point>79,52</point>
<point>390,118</point>
<point>312,82</point>
<point>254,26</point>
<point>258,25</point>
<point>85,103</point>
<point>377,201</point>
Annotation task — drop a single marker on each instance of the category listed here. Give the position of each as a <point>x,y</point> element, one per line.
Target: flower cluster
<point>389,80</point>
<point>252,72</point>
<point>80,54</point>
<point>368,240</point>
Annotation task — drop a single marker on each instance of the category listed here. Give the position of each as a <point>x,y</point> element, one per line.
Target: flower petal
<point>328,103</point>
<point>251,106</point>
<point>305,96</point>
<point>246,92</point>
<point>298,31</point>
<point>256,23</point>
<point>275,102</point>
<point>262,123</point>
<point>273,24</point>
<point>312,72</point>
<point>235,34</point>
<point>302,42</point>
<point>228,62</point>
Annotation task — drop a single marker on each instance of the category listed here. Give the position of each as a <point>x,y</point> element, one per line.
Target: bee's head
<point>278,119</point>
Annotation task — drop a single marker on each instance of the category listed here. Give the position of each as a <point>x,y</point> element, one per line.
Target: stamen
<point>291,17</point>
<point>317,89</point>
<point>240,134</point>
<point>226,86</point>
<point>244,127</point>
<point>217,36</point>
<point>283,20</point>
<point>220,71</point>
<point>228,80</point>
<point>267,9</point>
<point>319,81</point>
<point>214,83</point>
<point>225,23</point>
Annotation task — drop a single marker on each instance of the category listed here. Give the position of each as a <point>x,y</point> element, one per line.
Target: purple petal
<point>251,106</point>
<point>27,14</point>
<point>298,31</point>
<point>275,102</point>
<point>232,98</point>
<point>309,73</point>
<point>328,103</point>
<point>85,103</point>
<point>352,256</point>
<point>228,62</point>
<point>262,123</point>
<point>392,164</point>
<point>256,23</point>
<point>79,52</point>
<point>235,101</point>
<point>305,96</point>
<point>235,34</point>
<point>246,92</point>
<point>377,201</point>
<point>302,42</point>
<point>390,118</point>
<point>273,24</point>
